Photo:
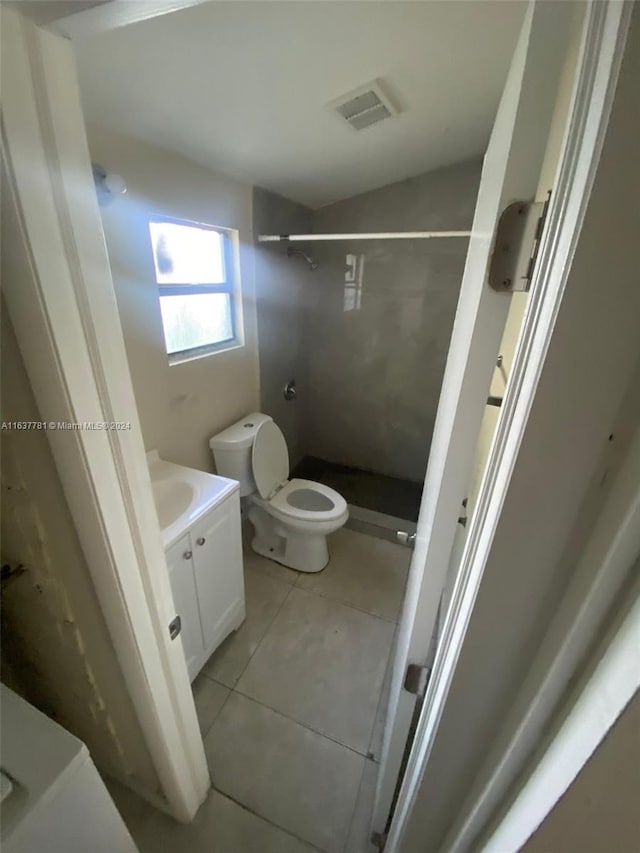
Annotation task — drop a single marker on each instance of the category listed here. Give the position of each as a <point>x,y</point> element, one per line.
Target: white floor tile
<point>209,697</point>
<point>264,597</point>
<point>221,826</point>
<point>293,777</point>
<point>364,572</point>
<point>323,664</point>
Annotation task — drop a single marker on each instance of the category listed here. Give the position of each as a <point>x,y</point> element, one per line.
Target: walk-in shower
<point>367,335</point>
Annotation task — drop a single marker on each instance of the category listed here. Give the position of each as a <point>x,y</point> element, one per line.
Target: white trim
<point>69,333</point>
<point>599,65</point>
<point>381,235</point>
<point>606,695</point>
<point>114,14</point>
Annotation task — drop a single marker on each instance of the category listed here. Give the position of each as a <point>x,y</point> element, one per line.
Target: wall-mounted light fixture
<point>108,184</point>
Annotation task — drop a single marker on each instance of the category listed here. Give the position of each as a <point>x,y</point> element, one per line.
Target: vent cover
<point>364,106</point>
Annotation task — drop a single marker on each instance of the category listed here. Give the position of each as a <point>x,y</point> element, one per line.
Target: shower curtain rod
<point>383,235</point>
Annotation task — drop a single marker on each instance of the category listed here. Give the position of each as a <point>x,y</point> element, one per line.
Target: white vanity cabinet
<point>205,569</point>
<point>185,598</point>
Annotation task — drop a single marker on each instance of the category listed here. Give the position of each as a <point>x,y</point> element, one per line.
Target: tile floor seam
<point>380,698</point>
<point>226,699</point>
<point>346,604</point>
<point>215,680</point>
<point>261,640</point>
<point>355,809</point>
<point>309,728</point>
<point>267,820</point>
<point>249,568</point>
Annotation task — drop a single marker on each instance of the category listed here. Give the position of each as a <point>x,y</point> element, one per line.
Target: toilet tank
<point>232,450</point>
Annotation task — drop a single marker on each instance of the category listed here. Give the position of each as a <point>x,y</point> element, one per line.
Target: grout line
<point>203,674</point>
<point>264,573</point>
<point>264,634</point>
<point>215,680</point>
<point>337,600</point>
<point>219,711</point>
<point>390,658</point>
<point>261,638</point>
<point>355,809</point>
<point>268,820</point>
<point>302,725</point>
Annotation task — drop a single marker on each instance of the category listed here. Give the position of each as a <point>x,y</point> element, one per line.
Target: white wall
<point>182,405</point>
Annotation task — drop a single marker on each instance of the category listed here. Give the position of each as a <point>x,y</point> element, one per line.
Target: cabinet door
<point>217,555</point>
<point>181,576</point>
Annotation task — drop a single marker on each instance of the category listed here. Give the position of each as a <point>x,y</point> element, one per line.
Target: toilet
<point>291,518</point>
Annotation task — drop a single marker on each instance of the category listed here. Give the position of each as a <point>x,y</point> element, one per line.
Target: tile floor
<point>291,708</point>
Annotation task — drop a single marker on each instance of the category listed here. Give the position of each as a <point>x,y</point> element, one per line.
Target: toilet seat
<point>291,505</point>
<point>297,501</point>
<point>269,459</point>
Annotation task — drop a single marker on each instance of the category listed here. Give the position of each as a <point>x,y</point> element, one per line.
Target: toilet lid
<point>269,458</point>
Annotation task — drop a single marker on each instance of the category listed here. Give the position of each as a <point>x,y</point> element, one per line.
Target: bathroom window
<point>195,268</point>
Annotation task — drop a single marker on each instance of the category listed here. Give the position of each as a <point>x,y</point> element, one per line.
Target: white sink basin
<point>172,498</point>
<point>183,494</point>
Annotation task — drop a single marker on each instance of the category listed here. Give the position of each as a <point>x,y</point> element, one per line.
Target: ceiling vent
<point>364,106</point>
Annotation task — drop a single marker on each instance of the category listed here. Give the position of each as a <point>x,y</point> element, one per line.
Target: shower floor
<point>366,489</point>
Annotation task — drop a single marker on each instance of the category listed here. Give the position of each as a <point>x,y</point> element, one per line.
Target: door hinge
<point>379,839</point>
<point>416,679</point>
<point>516,245</point>
<point>406,538</point>
<point>175,626</point>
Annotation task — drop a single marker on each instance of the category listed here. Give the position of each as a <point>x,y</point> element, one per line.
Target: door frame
<point>601,54</point>
<point>64,312</point>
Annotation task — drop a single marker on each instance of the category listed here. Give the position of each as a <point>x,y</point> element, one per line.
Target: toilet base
<point>304,552</point>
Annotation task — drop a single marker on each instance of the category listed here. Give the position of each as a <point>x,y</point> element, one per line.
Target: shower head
<point>291,252</point>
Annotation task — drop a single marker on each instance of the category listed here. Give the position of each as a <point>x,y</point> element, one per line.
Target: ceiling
<point>44,12</point>
<point>242,87</point>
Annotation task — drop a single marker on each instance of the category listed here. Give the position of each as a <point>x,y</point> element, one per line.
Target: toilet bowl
<point>291,518</point>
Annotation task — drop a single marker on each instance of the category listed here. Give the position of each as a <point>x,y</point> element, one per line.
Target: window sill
<point>183,357</point>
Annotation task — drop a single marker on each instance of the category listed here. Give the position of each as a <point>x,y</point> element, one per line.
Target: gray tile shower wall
<point>282,294</point>
<point>379,321</point>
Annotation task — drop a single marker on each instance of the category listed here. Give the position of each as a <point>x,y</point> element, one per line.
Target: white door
<point>183,587</point>
<point>217,555</point>
<point>511,171</point>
